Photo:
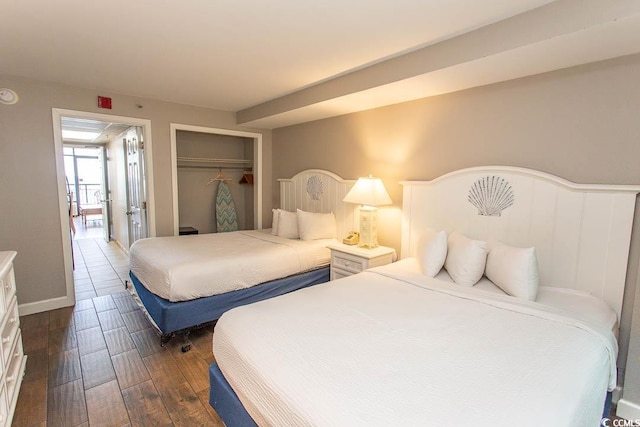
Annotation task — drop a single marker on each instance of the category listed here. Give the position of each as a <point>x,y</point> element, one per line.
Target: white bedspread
<point>182,268</point>
<point>383,348</point>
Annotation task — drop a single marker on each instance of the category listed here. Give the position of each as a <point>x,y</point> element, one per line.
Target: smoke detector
<point>8,97</point>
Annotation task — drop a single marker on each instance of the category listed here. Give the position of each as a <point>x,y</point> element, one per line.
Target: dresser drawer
<point>348,263</point>
<point>9,285</point>
<point>5,282</point>
<point>10,330</point>
<point>15,371</point>
<point>4,409</point>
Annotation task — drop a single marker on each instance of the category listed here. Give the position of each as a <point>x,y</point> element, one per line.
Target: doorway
<point>108,132</point>
<point>87,186</point>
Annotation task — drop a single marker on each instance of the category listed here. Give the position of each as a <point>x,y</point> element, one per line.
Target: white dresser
<point>12,359</point>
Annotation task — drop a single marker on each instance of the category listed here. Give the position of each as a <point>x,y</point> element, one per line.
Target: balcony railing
<point>89,194</point>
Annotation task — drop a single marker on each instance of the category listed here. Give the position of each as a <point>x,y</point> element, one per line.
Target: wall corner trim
<point>45,305</point>
<point>628,410</point>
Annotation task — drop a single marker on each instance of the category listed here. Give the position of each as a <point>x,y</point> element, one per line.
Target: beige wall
<point>582,124</point>
<point>30,222</point>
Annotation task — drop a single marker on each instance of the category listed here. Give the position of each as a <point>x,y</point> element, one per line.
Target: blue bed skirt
<point>172,317</point>
<point>225,401</point>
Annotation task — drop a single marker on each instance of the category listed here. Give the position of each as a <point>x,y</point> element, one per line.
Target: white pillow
<point>432,251</point>
<point>288,225</point>
<point>274,222</point>
<point>313,226</point>
<point>466,259</point>
<point>514,270</point>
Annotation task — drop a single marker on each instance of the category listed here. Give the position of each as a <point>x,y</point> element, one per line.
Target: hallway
<point>101,268</point>
<point>93,229</point>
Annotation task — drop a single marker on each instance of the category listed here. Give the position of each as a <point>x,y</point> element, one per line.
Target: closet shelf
<point>217,161</point>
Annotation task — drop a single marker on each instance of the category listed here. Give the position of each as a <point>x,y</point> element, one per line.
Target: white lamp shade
<point>368,191</point>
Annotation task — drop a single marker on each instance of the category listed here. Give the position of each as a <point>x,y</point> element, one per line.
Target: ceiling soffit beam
<point>611,40</point>
<point>553,20</point>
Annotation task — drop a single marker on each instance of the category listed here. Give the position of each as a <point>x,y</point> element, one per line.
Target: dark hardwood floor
<point>100,362</point>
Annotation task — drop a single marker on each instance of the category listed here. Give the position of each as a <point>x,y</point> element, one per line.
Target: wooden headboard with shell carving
<point>581,232</point>
<point>317,190</point>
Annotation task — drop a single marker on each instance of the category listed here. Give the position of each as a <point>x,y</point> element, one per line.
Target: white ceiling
<point>234,55</point>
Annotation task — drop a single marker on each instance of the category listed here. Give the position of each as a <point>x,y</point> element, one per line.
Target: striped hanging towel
<point>226,218</point>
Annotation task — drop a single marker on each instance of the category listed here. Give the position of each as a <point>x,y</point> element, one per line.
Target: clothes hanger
<point>219,177</point>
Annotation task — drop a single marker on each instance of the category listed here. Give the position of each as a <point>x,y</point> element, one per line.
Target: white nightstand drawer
<point>339,274</point>
<point>345,262</point>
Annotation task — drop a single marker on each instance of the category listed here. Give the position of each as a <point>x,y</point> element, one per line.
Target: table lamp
<point>370,193</point>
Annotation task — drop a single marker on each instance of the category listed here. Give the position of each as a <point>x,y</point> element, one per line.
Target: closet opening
<point>216,180</point>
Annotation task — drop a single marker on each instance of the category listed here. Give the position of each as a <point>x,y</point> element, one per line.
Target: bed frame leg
<point>164,339</point>
<point>187,344</point>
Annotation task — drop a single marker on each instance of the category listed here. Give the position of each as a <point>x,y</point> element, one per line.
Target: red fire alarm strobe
<point>104,102</point>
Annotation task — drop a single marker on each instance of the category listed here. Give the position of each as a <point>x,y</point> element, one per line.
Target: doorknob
<point>129,212</point>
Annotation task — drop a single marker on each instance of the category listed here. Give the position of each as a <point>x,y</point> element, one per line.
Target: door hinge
<point>141,145</point>
<point>144,205</point>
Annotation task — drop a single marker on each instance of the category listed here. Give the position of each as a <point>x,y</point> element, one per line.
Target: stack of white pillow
<point>512,269</point>
<point>303,225</point>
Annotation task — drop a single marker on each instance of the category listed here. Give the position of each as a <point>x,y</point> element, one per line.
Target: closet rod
<point>208,160</point>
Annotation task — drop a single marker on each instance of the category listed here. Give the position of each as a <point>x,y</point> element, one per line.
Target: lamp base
<point>368,227</point>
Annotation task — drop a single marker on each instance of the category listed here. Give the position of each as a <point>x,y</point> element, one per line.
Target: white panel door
<point>105,200</point>
<point>136,194</point>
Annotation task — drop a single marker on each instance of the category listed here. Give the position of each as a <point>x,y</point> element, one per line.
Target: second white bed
<point>182,268</point>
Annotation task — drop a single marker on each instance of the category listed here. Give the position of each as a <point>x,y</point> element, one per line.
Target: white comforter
<point>182,268</point>
<point>381,349</point>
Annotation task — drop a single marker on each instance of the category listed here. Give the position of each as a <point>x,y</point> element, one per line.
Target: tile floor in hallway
<point>93,229</point>
<point>100,268</point>
<point>100,362</point>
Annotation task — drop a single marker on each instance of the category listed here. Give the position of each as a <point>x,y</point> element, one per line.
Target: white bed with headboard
<point>393,346</point>
<point>244,266</point>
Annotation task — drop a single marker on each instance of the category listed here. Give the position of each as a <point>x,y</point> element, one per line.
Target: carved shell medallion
<point>315,187</point>
<point>491,195</point>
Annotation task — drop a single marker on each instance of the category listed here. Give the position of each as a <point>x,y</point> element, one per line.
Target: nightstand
<point>347,260</point>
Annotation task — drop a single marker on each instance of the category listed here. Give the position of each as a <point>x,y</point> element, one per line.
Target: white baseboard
<point>45,305</point>
<point>126,251</point>
<point>616,394</point>
<point>628,410</point>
